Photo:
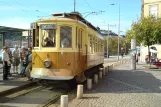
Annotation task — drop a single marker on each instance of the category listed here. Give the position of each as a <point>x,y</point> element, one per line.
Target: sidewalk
<point>15,82</point>
<point>124,88</point>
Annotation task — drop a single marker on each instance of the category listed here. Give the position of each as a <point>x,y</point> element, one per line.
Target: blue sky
<point>20,13</point>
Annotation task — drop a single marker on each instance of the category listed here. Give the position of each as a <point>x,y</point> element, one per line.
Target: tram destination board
<point>48,26</point>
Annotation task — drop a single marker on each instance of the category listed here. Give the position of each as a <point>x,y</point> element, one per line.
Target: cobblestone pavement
<point>124,88</point>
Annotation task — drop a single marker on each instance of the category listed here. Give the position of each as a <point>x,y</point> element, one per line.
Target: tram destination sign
<point>48,26</point>
<point>33,25</point>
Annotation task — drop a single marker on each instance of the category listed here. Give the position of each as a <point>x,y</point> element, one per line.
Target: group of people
<point>14,58</point>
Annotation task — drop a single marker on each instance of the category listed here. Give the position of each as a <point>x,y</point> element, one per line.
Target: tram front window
<point>48,37</point>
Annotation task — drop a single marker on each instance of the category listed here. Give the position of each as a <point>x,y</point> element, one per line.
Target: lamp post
<point>118,32</point>
<point>108,40</point>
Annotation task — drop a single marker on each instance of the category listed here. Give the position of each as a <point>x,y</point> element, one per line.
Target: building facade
<point>11,36</point>
<point>151,7</point>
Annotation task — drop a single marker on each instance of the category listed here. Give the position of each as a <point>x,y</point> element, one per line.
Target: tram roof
<point>9,29</point>
<point>75,16</point>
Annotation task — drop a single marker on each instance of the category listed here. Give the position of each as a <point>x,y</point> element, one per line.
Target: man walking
<point>29,66</point>
<point>6,63</point>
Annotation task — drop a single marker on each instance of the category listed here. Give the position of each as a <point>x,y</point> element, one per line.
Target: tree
<point>113,45</point>
<point>146,30</point>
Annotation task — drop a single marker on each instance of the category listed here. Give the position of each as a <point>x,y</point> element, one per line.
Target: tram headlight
<point>47,63</point>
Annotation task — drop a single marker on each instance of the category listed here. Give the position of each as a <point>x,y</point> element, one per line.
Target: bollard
<point>95,78</point>
<point>103,71</point>
<point>79,91</point>
<point>100,75</point>
<point>89,84</point>
<point>64,101</point>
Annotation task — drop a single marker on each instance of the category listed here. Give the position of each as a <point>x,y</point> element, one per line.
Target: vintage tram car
<point>65,47</point>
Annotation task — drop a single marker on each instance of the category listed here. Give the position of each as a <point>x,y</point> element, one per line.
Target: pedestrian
<point>22,55</point>
<point>6,63</point>
<point>137,59</point>
<point>16,59</point>
<point>24,65</point>
<point>10,58</point>
<point>122,54</point>
<point>29,66</point>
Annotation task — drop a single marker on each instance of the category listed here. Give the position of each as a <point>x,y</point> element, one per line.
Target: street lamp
<point>118,31</point>
<point>108,40</point>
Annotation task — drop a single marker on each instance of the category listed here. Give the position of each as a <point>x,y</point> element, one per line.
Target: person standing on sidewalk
<point>22,55</point>
<point>16,59</point>
<point>10,58</point>
<point>6,63</point>
<point>29,66</point>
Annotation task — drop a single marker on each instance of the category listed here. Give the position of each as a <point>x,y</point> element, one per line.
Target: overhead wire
<point>16,7</point>
<point>96,13</point>
<point>26,6</point>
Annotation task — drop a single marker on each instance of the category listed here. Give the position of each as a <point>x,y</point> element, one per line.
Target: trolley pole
<point>74,4</point>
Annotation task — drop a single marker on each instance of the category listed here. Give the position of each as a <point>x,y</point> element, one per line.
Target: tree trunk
<point>148,49</point>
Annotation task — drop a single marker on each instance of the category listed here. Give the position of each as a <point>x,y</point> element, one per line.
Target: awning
<point>153,51</point>
<point>10,29</point>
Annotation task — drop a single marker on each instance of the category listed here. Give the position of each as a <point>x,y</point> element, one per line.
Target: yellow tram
<point>65,47</point>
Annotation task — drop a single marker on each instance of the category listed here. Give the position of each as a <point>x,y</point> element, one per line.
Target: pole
<point>28,38</point>
<point>108,42</point>
<point>74,5</point>
<point>119,33</point>
<point>133,56</point>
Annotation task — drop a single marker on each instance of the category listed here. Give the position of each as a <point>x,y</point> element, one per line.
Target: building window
<point>153,10</point>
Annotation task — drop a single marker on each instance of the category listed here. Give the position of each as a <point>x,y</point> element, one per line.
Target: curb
<point>16,89</point>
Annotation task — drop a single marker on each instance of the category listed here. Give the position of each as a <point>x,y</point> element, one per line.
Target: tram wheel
<point>72,83</point>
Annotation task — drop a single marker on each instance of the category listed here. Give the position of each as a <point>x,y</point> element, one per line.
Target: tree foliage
<point>146,30</point>
<point>113,45</point>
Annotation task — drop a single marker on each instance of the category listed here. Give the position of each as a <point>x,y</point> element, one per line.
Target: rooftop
<point>10,29</point>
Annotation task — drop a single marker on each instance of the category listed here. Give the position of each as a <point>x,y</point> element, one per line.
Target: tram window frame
<point>94,50</point>
<point>66,37</point>
<point>76,37</point>
<point>50,38</point>
<point>96,44</point>
<point>35,36</point>
<point>90,43</point>
<point>81,39</point>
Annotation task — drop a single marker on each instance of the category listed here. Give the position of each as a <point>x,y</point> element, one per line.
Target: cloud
<point>16,22</point>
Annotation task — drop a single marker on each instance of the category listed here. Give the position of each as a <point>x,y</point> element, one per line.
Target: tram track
<point>42,96</point>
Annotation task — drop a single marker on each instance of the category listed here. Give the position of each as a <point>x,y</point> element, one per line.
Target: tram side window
<point>65,37</point>
<point>94,49</point>
<point>48,37</point>
<point>35,36</point>
<point>90,43</point>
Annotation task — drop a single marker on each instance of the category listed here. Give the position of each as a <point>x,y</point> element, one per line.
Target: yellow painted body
<point>67,63</point>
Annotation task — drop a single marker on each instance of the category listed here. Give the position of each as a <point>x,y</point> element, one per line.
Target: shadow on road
<point>127,81</point>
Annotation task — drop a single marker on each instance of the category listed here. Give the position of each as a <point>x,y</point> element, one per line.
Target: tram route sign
<point>33,25</point>
<point>48,26</point>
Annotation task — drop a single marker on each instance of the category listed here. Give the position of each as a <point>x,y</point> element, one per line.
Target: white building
<point>154,49</point>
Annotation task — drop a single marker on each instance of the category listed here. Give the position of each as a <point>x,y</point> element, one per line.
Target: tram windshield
<point>48,37</point>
